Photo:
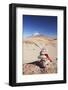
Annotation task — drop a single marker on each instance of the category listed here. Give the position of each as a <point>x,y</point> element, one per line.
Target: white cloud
<point>36,33</point>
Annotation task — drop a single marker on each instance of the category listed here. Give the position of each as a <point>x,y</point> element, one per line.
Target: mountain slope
<point>34,44</point>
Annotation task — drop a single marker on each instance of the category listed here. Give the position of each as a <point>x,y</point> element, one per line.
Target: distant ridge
<point>38,35</point>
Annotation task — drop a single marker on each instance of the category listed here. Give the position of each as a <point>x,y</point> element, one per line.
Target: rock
<point>34,68</point>
<point>31,69</point>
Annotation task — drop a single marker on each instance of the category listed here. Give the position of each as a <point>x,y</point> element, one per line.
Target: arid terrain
<point>32,47</point>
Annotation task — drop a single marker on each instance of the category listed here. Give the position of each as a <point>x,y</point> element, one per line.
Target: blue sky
<point>46,25</point>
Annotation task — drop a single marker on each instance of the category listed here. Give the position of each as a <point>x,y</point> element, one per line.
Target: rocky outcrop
<point>34,68</point>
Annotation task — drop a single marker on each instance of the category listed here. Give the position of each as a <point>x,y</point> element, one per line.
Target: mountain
<point>31,48</point>
<point>38,35</point>
<point>34,44</point>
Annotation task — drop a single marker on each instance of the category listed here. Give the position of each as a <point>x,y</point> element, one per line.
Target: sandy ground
<point>32,47</point>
